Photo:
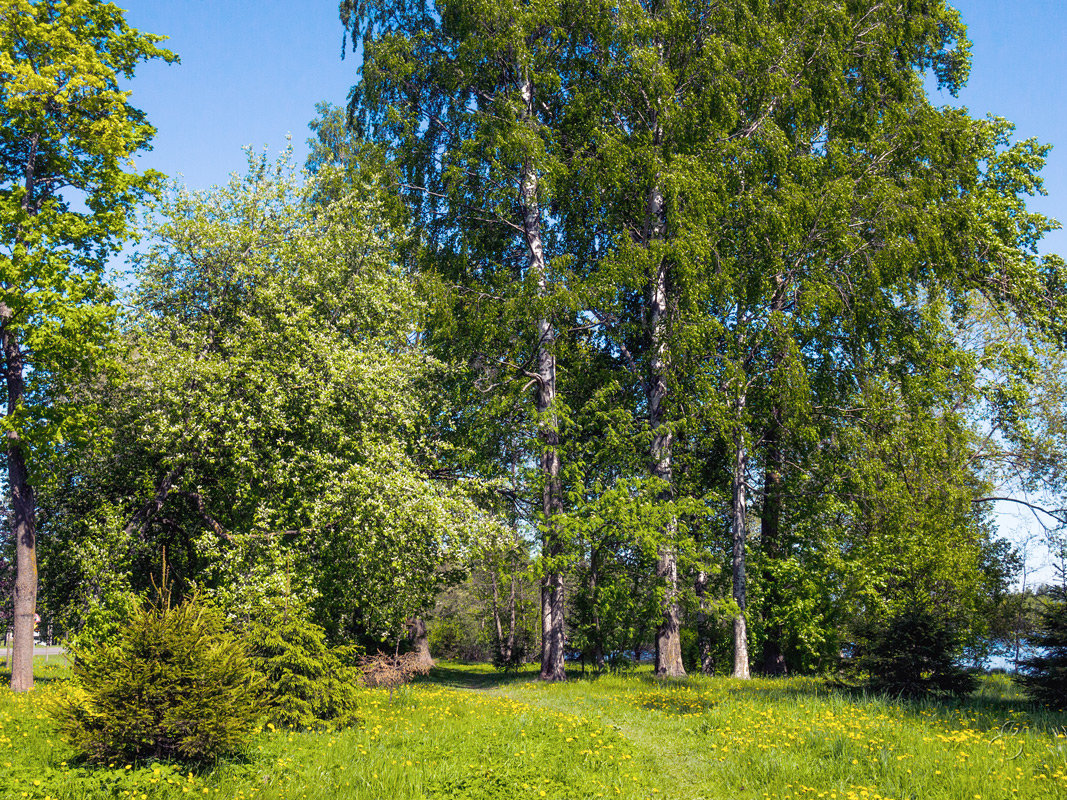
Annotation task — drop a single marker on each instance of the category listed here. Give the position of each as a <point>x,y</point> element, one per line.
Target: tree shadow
<point>55,670</point>
<point>477,676</point>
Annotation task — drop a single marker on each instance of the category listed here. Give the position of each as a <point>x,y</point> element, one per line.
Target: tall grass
<point>469,732</point>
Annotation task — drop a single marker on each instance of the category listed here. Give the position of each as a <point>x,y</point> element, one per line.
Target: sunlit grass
<point>469,732</point>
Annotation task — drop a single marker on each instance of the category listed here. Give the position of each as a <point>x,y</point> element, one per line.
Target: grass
<point>471,732</point>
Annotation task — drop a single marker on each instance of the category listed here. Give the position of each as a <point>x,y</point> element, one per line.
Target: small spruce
<point>306,683</point>
<point>1045,674</point>
<point>174,685</point>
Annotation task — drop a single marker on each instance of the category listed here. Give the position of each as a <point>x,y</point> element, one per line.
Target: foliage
<point>174,686</point>
<point>457,637</point>
<point>67,190</point>
<point>817,233</point>
<point>274,428</point>
<point>1045,674</point>
<point>305,683</point>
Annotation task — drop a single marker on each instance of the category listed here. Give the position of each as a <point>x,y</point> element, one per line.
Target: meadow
<point>470,732</point>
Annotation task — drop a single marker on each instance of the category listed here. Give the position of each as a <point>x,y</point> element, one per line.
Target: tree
<point>1046,671</point>
<point>67,189</point>
<point>458,97</point>
<point>755,214</point>
<point>724,189</point>
<point>274,430</point>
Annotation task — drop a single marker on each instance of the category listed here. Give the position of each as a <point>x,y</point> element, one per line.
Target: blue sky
<point>252,72</point>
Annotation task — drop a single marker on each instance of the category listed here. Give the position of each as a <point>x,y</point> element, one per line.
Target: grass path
<point>716,738</point>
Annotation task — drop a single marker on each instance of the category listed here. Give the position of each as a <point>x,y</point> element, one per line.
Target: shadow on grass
<point>997,703</point>
<point>475,676</point>
<point>56,669</point>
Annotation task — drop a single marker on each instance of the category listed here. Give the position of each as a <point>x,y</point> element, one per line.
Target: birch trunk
<point>770,540</point>
<point>773,659</point>
<point>512,609</point>
<point>503,654</point>
<point>23,516</point>
<point>552,630</point>
<point>707,661</point>
<point>668,634</point>
<point>738,526</point>
<point>598,638</point>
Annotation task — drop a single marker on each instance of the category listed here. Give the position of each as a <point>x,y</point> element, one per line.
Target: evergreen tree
<point>1045,675</point>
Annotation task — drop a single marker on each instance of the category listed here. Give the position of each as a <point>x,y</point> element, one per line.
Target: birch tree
<point>457,96</point>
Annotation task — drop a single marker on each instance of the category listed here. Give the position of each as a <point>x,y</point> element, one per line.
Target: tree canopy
<point>704,319</point>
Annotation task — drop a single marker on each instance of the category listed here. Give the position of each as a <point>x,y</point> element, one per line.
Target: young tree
<point>67,189</point>
<point>1045,675</point>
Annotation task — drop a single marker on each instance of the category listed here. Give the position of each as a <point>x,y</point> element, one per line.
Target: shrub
<point>1045,677</point>
<point>912,654</point>
<point>306,683</point>
<point>173,685</point>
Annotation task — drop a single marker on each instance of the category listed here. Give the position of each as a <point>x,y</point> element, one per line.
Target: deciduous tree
<point>67,189</point>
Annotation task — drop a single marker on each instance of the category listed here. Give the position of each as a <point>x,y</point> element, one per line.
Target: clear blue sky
<point>252,72</point>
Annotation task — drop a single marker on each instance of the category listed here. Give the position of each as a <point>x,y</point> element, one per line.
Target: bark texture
<point>420,640</point>
<point>505,644</point>
<point>552,625</point>
<point>668,634</point>
<point>23,503</point>
<point>738,525</point>
<point>23,516</point>
<point>704,622</point>
<point>773,660</point>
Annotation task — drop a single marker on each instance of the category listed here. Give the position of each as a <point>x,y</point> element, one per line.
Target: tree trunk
<point>771,517</point>
<point>552,629</point>
<point>707,662</point>
<point>668,634</point>
<point>23,516</point>
<point>739,522</point>
<point>420,639</point>
<point>512,609</point>
<point>770,541</point>
<point>598,638</point>
<point>503,654</point>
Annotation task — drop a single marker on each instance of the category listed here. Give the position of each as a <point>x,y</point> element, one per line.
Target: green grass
<point>470,732</point>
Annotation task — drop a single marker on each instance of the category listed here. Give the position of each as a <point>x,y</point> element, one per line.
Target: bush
<point>173,685</point>
<point>306,683</point>
<point>913,654</point>
<point>1045,677</point>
